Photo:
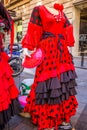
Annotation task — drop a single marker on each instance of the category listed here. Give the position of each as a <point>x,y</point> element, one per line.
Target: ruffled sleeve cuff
<point>69,36</point>
<point>32,37</point>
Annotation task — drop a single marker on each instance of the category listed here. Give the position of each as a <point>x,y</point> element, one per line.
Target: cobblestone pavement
<point>79,121</point>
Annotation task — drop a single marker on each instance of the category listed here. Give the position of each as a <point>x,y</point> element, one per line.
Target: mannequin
<point>53,11</point>
<point>51,101</point>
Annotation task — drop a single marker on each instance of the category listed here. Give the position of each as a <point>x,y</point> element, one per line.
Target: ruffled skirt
<point>52,100</point>
<point>9,104</point>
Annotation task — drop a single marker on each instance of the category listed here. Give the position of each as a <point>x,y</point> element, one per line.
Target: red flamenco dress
<point>9,104</point>
<point>51,100</point>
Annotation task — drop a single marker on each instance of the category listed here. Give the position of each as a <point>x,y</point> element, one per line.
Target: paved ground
<point>81,62</point>
<point>79,121</point>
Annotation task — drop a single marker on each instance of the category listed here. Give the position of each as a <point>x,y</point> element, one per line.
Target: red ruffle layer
<point>48,116</point>
<point>8,90</point>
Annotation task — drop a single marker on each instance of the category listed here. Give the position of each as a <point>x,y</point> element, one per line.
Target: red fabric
<point>48,116</point>
<point>57,60</point>
<point>8,90</point>
<point>1,41</point>
<point>51,66</point>
<point>58,6</point>
<point>34,32</point>
<point>69,36</point>
<point>32,37</point>
<point>12,36</point>
<point>35,59</point>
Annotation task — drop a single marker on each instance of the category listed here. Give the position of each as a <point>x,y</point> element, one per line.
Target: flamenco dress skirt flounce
<point>52,100</point>
<point>9,105</point>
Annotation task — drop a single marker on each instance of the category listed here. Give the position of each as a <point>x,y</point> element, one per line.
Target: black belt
<point>49,34</point>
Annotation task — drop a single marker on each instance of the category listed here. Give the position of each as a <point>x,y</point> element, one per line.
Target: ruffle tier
<point>54,90</point>
<point>8,89</point>
<point>5,116</point>
<point>48,116</point>
<point>9,105</point>
<point>52,97</point>
<point>52,101</point>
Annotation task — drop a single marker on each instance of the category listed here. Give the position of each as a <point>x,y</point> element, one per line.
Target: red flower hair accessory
<point>58,6</point>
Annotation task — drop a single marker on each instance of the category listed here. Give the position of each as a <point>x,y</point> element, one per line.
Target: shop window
<point>18,31</point>
<point>83,35</point>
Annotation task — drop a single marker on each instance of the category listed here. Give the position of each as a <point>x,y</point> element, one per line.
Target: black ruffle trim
<point>67,76</point>
<point>54,90</point>
<point>6,115</point>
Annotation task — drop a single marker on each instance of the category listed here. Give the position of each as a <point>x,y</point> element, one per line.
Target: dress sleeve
<point>34,31</point>
<point>68,32</point>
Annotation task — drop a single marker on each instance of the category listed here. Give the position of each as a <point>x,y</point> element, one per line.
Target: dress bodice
<point>50,22</point>
<point>42,22</point>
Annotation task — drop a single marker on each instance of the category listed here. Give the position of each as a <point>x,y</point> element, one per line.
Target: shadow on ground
<point>82,120</point>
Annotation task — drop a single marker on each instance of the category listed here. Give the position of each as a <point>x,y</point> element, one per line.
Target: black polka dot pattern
<point>35,17</point>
